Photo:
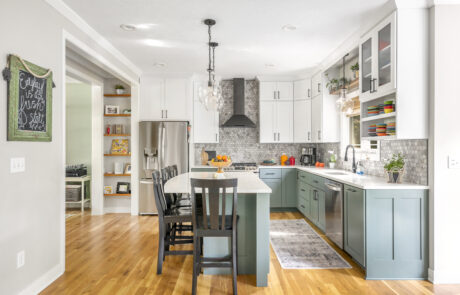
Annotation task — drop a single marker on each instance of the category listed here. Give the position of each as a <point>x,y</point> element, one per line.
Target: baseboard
<point>444,277</point>
<point>44,281</point>
<point>430,275</point>
<point>117,210</point>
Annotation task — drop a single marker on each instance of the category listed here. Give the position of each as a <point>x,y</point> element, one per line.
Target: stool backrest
<point>173,170</point>
<point>213,198</point>
<point>160,200</point>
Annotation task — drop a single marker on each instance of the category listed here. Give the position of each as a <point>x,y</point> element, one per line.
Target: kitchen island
<point>253,223</point>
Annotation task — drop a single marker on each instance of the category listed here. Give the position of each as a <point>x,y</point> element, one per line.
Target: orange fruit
<point>224,158</point>
<point>219,157</point>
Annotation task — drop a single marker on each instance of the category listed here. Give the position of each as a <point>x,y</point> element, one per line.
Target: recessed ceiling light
<point>127,27</point>
<point>269,65</point>
<point>154,43</point>
<point>289,27</point>
<point>159,64</point>
<point>144,26</point>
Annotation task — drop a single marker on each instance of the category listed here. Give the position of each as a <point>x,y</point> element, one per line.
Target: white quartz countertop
<point>360,181</point>
<point>248,182</point>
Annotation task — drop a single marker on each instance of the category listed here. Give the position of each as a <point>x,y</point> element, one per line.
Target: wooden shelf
<point>117,115</point>
<point>117,155</point>
<point>119,135</point>
<point>114,175</point>
<point>379,137</point>
<point>117,195</point>
<point>118,95</point>
<point>378,117</point>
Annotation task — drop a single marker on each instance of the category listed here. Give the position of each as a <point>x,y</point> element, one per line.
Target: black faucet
<point>346,157</point>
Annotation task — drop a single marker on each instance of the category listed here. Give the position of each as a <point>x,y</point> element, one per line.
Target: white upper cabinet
<point>276,122</point>
<point>165,99</point>
<point>316,118</point>
<point>205,123</point>
<point>302,89</point>
<point>377,60</point>
<point>276,90</point>
<point>302,121</point>
<point>316,84</point>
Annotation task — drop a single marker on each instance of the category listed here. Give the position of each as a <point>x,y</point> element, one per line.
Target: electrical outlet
<point>454,163</point>
<point>21,259</point>
<point>17,165</point>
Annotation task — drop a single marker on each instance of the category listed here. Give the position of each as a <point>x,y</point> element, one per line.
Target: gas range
<point>236,167</point>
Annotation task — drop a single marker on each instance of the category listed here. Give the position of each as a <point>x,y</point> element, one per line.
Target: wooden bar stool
<point>210,220</point>
<point>169,219</point>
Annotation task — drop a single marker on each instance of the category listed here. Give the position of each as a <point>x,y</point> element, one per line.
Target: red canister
<point>292,161</point>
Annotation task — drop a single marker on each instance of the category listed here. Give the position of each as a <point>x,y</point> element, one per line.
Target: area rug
<point>298,246</point>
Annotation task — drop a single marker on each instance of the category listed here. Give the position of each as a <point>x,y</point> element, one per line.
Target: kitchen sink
<point>336,173</point>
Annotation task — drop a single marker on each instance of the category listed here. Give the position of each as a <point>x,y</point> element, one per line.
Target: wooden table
<point>253,230</point>
<point>82,180</point>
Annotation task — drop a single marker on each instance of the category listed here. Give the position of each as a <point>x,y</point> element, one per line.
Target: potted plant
<point>332,84</point>
<point>395,168</point>
<point>119,89</point>
<point>355,69</point>
<point>332,160</point>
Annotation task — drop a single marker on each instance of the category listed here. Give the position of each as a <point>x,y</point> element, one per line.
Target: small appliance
<point>308,157</point>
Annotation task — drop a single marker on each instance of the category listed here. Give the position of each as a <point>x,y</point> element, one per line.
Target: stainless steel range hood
<point>239,119</point>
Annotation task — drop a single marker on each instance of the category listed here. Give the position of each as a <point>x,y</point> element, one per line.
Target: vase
<point>332,165</point>
<point>394,176</point>
<point>119,91</point>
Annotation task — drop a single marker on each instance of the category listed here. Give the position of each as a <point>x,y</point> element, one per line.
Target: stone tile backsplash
<point>242,144</point>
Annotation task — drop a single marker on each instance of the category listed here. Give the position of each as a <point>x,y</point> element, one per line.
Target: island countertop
<point>248,182</point>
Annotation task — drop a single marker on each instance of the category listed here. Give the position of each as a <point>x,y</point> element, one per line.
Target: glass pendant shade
<point>211,96</point>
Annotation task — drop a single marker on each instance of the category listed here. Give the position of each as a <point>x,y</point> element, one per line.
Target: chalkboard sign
<point>29,101</point>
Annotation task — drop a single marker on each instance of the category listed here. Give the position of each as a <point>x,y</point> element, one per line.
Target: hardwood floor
<point>116,254</point>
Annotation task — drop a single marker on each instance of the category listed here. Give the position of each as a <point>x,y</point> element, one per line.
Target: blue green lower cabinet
<point>289,186</point>
<point>275,197</point>
<point>314,206</point>
<point>322,210</point>
<point>396,234</point>
<point>203,169</point>
<point>354,223</point>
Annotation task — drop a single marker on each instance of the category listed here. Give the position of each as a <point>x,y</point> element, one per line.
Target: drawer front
<point>302,189</point>
<point>303,176</point>
<point>316,181</point>
<point>303,206</point>
<point>270,173</point>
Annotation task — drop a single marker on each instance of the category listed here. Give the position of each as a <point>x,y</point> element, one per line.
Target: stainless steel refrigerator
<point>161,144</point>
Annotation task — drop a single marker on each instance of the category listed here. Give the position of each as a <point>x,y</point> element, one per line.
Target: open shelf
<point>118,95</point>
<point>117,195</point>
<point>117,155</point>
<point>119,135</point>
<point>378,137</point>
<point>117,115</point>
<point>378,117</point>
<point>115,175</point>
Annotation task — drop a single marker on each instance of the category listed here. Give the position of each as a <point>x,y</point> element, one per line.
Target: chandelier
<point>211,95</point>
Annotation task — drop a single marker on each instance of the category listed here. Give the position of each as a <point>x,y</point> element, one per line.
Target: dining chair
<point>210,219</point>
<point>170,222</point>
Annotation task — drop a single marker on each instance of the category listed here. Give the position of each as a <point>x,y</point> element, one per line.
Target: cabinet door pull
<point>302,206</point>
<point>274,136</point>
<point>302,189</point>
<point>274,94</point>
<point>166,114</point>
<point>373,85</point>
<point>351,190</point>
<point>278,94</point>
<point>370,85</point>
<point>161,113</point>
<point>319,87</point>
<point>278,136</point>
<point>216,137</point>
<point>315,181</point>
<point>308,95</point>
<point>319,134</point>
<point>308,135</point>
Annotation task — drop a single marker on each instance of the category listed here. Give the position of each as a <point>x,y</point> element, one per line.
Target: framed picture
<point>108,189</point>
<point>128,169</point>
<point>112,110</point>
<point>123,188</point>
<point>30,90</point>
<point>120,146</point>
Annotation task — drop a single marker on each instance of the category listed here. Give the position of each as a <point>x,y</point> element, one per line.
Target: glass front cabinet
<point>377,53</point>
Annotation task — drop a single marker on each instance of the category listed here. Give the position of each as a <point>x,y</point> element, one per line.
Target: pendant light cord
<point>209,56</point>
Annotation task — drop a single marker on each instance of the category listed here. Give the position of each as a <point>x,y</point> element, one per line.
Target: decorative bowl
<point>220,165</point>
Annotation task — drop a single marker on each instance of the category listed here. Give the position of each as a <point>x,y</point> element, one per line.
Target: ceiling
<point>250,35</point>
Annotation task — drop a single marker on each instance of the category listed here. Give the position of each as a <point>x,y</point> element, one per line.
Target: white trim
<point>44,281</point>
<point>430,275</point>
<point>117,210</point>
<point>99,58</point>
<point>81,24</point>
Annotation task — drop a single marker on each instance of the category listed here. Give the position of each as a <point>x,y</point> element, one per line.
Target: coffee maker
<point>308,157</point>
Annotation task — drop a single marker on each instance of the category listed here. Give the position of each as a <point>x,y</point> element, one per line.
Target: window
<point>351,134</point>
<point>354,132</point>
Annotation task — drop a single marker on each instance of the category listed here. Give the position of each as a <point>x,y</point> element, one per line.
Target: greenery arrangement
<point>355,67</point>
<point>331,84</point>
<point>119,86</point>
<point>332,159</point>
<point>396,163</point>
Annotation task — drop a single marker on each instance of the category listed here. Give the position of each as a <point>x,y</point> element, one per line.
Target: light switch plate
<point>17,165</point>
<point>453,162</point>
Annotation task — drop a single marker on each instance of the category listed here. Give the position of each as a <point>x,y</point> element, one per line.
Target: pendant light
<point>211,95</point>
<point>342,100</point>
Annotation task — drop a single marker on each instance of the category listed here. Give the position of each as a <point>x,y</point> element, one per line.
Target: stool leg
<point>195,264</point>
<point>161,248</point>
<point>234,261</point>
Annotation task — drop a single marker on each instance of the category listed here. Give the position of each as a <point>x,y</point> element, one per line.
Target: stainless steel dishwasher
<point>334,212</point>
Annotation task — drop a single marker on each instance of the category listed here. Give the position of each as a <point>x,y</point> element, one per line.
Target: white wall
<point>445,142</point>
<point>31,203</point>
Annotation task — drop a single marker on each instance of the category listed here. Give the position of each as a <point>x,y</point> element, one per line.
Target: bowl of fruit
<point>220,161</point>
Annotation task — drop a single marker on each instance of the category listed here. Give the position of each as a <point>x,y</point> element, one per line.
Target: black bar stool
<point>209,222</point>
<point>169,219</point>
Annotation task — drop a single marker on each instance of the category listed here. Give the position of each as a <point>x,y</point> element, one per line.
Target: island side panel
<point>246,235</point>
<point>263,239</point>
